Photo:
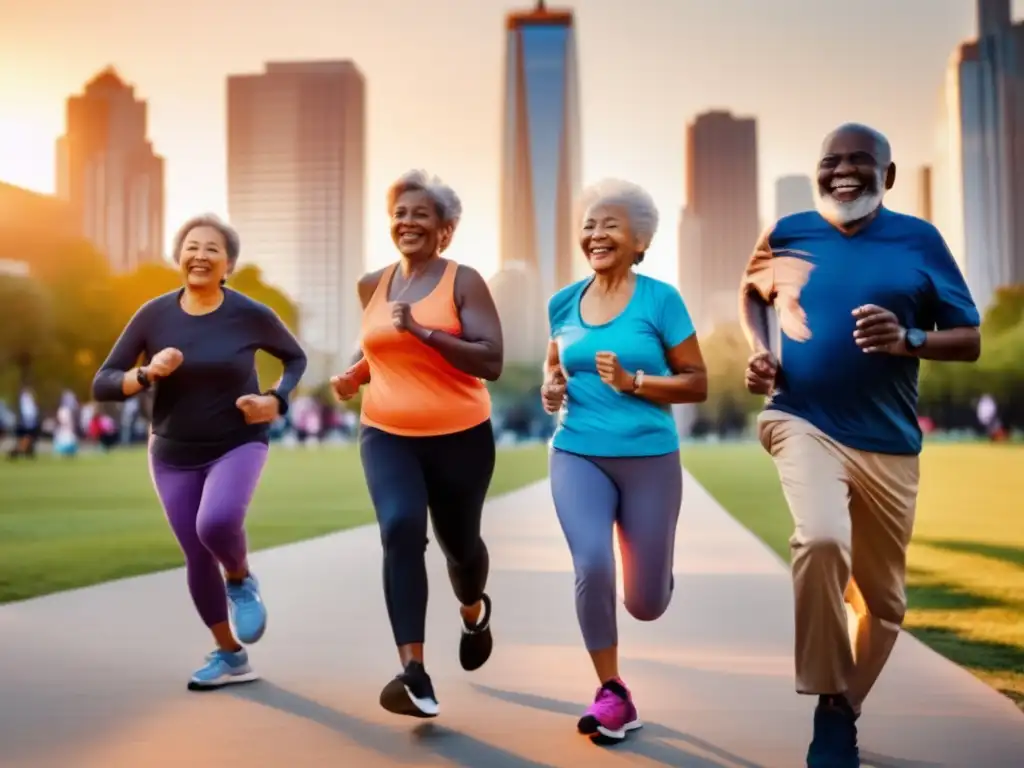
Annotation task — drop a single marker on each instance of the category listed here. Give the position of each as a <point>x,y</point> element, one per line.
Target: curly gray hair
<point>446,201</point>
<point>643,213</point>
<point>232,242</point>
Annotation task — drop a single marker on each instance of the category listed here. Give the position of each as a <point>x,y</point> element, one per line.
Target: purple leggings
<point>206,508</point>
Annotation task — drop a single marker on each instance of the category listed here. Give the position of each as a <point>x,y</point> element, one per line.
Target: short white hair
<point>643,213</point>
<point>446,201</point>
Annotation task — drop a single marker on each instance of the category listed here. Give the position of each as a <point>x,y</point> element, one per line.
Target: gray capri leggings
<point>639,495</point>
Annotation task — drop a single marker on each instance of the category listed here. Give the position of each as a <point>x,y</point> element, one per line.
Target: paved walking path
<point>96,678</point>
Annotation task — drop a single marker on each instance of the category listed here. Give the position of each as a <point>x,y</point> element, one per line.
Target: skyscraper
<point>978,184</point>
<point>109,174</point>
<point>540,173</point>
<point>722,193</point>
<point>924,193</point>
<point>296,192</point>
<point>793,194</point>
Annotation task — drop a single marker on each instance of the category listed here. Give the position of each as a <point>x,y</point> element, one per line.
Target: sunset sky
<point>434,83</point>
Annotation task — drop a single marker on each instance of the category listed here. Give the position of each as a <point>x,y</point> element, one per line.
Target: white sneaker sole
<point>401,701</point>
<point>222,681</point>
<point>619,735</point>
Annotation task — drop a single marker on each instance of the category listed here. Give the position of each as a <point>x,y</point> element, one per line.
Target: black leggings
<point>450,474</point>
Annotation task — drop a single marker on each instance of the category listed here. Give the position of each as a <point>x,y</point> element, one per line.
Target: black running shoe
<point>835,735</point>
<point>411,693</point>
<point>477,643</point>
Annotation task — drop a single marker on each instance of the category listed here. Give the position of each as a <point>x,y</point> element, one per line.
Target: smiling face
<point>416,227</point>
<point>852,176</point>
<point>203,259</point>
<point>607,238</point>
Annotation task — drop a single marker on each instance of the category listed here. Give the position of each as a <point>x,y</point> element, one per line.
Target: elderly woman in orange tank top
<point>430,338</point>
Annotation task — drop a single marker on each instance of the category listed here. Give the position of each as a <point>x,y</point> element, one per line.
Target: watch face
<point>916,338</point>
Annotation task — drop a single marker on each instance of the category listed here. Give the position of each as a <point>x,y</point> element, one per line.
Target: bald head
<point>860,134</point>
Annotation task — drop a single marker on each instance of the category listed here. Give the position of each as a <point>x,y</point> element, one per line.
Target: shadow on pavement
<point>1008,555</point>
<point>455,747</point>
<point>667,754</point>
<point>937,596</point>
<point>872,760</point>
<point>658,751</point>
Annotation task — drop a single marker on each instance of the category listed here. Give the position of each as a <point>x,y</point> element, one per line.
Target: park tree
<point>725,352</point>
<point>26,325</point>
<point>249,281</point>
<point>1006,310</point>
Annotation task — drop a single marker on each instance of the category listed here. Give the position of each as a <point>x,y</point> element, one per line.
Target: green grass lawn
<point>66,524</point>
<point>966,563</point>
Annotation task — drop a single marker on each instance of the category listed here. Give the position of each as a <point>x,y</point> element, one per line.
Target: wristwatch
<point>282,404</point>
<point>915,339</point>
<point>143,378</point>
<point>638,380</point>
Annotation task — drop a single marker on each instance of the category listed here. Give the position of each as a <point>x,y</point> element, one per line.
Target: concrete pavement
<point>96,678</point>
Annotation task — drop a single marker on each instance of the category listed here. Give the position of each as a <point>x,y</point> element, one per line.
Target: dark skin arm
<point>687,384</point>
<point>552,392</point>
<point>757,292</point>
<point>879,331</point>
<point>479,351</point>
<point>366,286</point>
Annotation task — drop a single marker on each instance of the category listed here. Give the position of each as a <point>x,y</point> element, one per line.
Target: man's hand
<point>612,373</point>
<point>258,409</point>
<point>762,368</point>
<point>164,363</point>
<point>552,392</point>
<point>879,330</point>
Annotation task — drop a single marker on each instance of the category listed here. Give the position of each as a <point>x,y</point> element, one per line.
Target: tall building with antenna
<point>540,166</point>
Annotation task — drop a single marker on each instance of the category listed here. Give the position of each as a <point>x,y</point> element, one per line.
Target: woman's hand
<point>345,385</point>
<point>613,374</point>
<point>552,391</point>
<point>164,363</point>
<point>258,409</point>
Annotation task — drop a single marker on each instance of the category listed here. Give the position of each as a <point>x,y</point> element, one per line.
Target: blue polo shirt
<point>865,401</point>
<point>595,419</point>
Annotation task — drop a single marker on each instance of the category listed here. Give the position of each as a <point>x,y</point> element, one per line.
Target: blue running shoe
<point>223,668</point>
<point>248,614</point>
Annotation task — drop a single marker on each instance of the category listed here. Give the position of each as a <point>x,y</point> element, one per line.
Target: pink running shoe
<point>612,715</point>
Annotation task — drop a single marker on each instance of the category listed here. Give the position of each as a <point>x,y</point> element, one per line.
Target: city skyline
<point>634,113</point>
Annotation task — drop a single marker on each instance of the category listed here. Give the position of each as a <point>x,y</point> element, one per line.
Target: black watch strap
<point>143,378</point>
<point>282,404</point>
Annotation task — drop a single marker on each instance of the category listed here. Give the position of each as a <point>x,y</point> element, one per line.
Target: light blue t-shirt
<point>595,419</point>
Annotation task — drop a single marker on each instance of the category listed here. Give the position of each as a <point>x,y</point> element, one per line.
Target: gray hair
<point>883,150</point>
<point>446,201</point>
<point>232,242</point>
<point>643,213</point>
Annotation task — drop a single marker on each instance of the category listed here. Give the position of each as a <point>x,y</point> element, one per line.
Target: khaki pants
<point>854,514</point>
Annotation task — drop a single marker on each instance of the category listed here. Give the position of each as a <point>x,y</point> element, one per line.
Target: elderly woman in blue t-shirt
<point>622,351</point>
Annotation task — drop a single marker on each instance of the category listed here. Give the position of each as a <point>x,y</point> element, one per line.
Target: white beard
<point>844,213</point>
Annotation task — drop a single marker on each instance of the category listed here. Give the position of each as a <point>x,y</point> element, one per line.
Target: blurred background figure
<point>988,418</point>
<point>65,436</point>
<point>27,426</point>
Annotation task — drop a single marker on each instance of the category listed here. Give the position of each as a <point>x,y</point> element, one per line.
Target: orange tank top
<point>413,390</point>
